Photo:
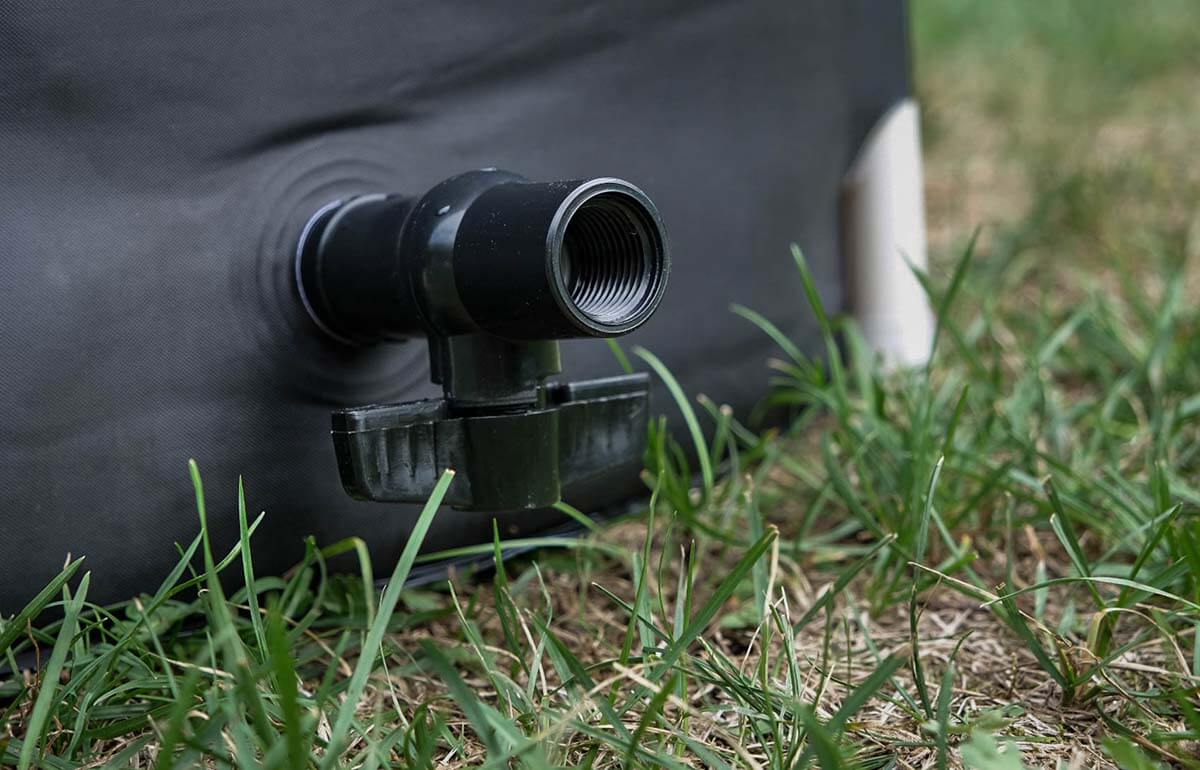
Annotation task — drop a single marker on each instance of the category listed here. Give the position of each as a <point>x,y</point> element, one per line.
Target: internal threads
<point>612,260</point>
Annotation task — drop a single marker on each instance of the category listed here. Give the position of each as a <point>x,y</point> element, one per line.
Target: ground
<point>987,564</point>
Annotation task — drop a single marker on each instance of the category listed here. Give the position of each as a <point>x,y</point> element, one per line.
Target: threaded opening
<point>612,260</point>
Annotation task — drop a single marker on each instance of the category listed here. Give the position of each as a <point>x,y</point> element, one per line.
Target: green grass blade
<point>15,626</point>
<point>173,735</point>
<point>43,706</point>
<point>653,712</point>
<point>822,744</point>
<point>618,353</point>
<point>1101,580</point>
<point>256,622</point>
<point>843,579</point>
<point>578,515</point>
<point>771,330</point>
<point>942,314</point>
<point>689,416</point>
<point>296,737</point>
<point>945,693</point>
<point>338,737</point>
<point>713,605</point>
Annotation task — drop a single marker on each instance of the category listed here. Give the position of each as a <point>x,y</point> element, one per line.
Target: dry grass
<point>1081,359</point>
<point>998,683</point>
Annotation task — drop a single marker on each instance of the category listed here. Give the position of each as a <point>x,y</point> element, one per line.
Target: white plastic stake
<point>883,215</point>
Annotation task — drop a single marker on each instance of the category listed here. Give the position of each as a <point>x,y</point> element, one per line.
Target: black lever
<point>493,269</point>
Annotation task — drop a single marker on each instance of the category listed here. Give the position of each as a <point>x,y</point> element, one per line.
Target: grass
<point>990,563</point>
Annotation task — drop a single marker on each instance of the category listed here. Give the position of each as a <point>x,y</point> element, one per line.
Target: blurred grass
<point>1094,50</point>
<point>1073,120</point>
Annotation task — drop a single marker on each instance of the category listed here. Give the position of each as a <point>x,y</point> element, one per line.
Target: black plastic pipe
<point>493,270</point>
<point>486,252</point>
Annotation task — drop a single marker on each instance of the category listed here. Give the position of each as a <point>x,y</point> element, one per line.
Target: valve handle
<point>397,452</point>
<point>493,270</point>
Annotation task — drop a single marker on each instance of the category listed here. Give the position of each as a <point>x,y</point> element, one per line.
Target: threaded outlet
<point>612,260</point>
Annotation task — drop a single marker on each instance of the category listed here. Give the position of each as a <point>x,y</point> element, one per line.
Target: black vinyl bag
<point>158,161</point>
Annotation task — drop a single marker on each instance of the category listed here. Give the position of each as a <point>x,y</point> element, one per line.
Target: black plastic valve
<point>493,270</point>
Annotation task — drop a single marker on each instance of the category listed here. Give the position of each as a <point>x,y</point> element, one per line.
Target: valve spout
<point>486,252</point>
<point>492,269</point>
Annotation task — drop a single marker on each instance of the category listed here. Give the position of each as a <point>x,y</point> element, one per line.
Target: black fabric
<point>157,162</point>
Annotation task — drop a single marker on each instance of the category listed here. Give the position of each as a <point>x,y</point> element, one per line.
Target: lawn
<point>993,562</point>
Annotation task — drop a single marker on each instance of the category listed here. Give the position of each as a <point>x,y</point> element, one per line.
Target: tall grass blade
<point>387,605</point>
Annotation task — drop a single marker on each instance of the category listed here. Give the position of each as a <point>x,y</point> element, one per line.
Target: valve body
<point>493,270</point>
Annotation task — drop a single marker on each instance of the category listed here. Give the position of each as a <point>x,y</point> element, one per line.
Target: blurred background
<point>1068,130</point>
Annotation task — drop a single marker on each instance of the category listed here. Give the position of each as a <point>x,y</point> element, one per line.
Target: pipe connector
<point>492,269</point>
<point>486,252</point>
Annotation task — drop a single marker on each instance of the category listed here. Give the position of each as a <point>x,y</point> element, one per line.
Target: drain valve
<point>492,270</point>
